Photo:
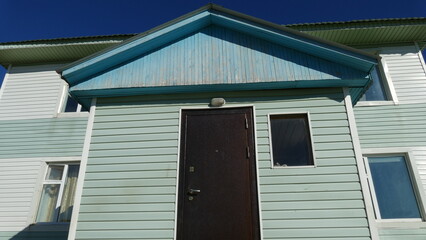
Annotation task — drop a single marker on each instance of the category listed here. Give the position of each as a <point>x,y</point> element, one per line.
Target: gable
<point>217,55</point>
<point>215,49</point>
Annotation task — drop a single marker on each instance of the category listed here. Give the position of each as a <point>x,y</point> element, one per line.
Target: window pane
<point>67,202</point>
<point>71,105</point>
<point>47,207</point>
<point>376,91</point>
<point>393,187</point>
<point>54,173</point>
<point>291,142</point>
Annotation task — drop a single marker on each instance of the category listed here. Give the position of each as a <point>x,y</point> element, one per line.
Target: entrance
<point>217,178</point>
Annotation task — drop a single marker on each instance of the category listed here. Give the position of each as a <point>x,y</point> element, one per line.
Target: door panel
<point>217,188</point>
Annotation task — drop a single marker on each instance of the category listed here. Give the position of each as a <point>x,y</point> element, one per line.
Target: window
<point>392,188</point>
<point>376,90</point>
<point>291,143</point>
<point>57,196</point>
<point>72,105</point>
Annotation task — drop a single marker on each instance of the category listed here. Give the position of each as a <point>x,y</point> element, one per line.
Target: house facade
<point>217,125</point>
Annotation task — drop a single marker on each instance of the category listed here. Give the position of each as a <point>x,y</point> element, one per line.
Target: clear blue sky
<point>43,19</point>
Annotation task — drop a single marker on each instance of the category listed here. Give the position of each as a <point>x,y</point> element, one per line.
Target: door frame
<point>256,161</point>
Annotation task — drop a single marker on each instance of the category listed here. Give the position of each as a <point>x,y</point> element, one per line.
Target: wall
<point>31,92</point>
<point>384,127</point>
<point>29,137</point>
<point>131,176</point>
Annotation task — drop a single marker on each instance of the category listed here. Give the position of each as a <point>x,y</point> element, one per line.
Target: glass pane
<point>291,142</point>
<point>47,207</point>
<point>71,105</point>
<point>67,202</point>
<point>393,187</point>
<point>376,91</point>
<point>54,173</point>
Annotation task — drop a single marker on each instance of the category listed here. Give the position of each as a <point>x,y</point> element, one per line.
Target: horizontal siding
<point>48,137</point>
<point>391,126</point>
<point>406,72</point>
<point>31,92</point>
<point>402,125</point>
<point>23,145</point>
<point>217,55</point>
<point>131,176</point>
<point>399,234</point>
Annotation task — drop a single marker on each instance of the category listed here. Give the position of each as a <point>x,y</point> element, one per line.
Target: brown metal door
<point>217,186</point>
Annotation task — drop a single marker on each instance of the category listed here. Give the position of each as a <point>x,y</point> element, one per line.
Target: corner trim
<point>82,173</point>
<point>360,166</point>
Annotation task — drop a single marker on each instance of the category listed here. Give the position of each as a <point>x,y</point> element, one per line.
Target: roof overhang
<point>370,33</point>
<point>61,50</point>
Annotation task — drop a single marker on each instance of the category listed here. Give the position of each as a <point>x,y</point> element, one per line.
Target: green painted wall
<point>392,126</point>
<point>24,144</point>
<point>399,126</point>
<point>47,137</point>
<point>130,182</point>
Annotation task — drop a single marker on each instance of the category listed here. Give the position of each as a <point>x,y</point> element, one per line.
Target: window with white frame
<point>290,140</point>
<point>71,105</point>
<point>57,195</point>
<point>392,187</point>
<point>377,89</point>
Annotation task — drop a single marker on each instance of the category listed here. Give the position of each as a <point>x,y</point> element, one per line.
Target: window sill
<point>49,227</point>
<point>401,223</point>
<point>292,167</point>
<point>374,103</point>
<point>72,114</point>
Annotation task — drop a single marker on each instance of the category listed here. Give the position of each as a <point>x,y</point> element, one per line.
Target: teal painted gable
<point>217,55</point>
<point>219,59</point>
<point>216,49</point>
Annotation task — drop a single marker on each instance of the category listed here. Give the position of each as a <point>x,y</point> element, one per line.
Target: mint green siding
<point>24,146</point>
<point>48,137</point>
<point>399,126</point>
<point>405,234</point>
<point>390,126</point>
<point>130,183</point>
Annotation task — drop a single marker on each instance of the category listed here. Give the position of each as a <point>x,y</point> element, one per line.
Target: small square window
<point>71,105</point>
<point>376,90</point>
<point>392,189</point>
<point>58,191</point>
<point>291,143</point>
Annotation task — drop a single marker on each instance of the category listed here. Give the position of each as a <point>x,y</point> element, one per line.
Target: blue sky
<point>43,19</point>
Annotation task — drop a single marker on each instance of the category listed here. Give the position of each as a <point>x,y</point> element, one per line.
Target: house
<point>217,125</point>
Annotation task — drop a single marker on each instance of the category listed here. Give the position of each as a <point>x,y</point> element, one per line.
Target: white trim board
<point>360,166</point>
<point>82,173</point>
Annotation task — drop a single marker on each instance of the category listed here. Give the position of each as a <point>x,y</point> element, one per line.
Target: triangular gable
<point>252,40</point>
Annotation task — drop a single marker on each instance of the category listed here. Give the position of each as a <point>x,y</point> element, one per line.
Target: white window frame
<point>310,134</point>
<point>63,102</point>
<point>387,83</point>
<point>415,181</point>
<point>41,184</point>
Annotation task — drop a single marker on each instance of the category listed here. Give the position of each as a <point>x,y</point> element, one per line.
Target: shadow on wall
<point>29,233</point>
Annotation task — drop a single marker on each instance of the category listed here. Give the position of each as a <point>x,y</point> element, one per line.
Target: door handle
<point>193,191</point>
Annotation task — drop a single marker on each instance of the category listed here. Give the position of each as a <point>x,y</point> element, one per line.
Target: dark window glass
<point>394,190</point>
<point>376,90</point>
<point>291,140</point>
<point>71,105</point>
